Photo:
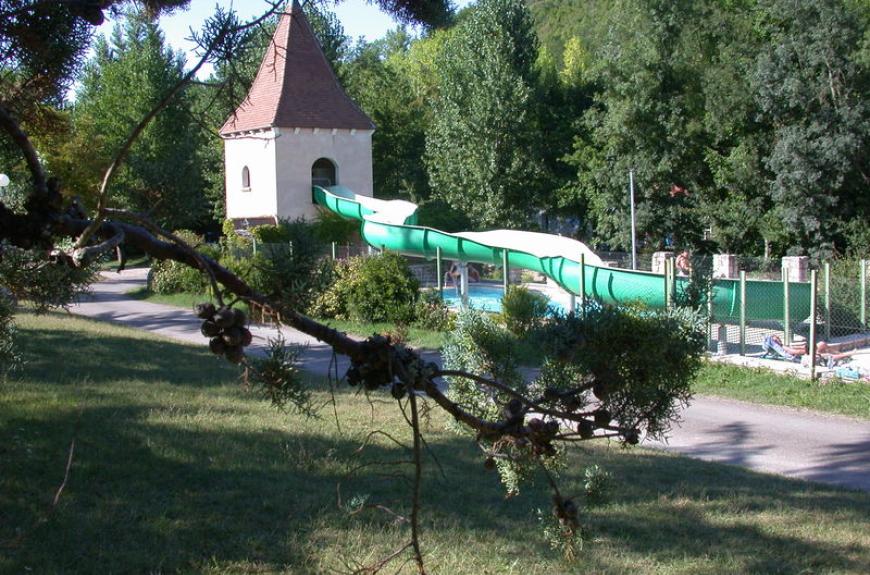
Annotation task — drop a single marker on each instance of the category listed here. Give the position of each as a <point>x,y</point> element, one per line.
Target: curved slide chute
<point>392,225</point>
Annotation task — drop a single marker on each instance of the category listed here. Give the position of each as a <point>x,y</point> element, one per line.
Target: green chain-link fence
<point>778,302</point>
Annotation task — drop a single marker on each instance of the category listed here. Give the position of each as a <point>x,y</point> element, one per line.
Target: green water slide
<point>392,225</point>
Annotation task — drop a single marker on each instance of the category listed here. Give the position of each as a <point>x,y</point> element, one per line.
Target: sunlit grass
<point>111,264</point>
<point>184,299</point>
<point>765,386</point>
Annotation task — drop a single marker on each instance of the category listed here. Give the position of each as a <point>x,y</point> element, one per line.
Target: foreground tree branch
<point>20,138</point>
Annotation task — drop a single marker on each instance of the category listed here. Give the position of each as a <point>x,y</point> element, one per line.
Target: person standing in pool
<point>455,272</point>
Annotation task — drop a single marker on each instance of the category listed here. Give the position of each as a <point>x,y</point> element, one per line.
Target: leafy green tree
<point>483,146</point>
<point>37,69</point>
<point>734,202</point>
<point>561,98</point>
<point>741,117</point>
<point>126,78</point>
<point>814,94</point>
<point>647,116</point>
<point>376,79</point>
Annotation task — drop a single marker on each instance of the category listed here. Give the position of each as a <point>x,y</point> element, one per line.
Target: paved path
<point>790,442</point>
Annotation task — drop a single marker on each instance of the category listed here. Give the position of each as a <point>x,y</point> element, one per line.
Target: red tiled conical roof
<point>295,86</point>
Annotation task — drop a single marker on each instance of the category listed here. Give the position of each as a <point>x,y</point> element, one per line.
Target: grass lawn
<point>111,264</point>
<point>764,386</point>
<point>178,470</point>
<point>417,337</point>
<point>185,300</point>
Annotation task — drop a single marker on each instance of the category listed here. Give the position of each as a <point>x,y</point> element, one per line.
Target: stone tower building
<point>296,128</point>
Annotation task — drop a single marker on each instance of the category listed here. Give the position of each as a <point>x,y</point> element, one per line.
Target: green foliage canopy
<point>126,78</point>
<point>483,145</point>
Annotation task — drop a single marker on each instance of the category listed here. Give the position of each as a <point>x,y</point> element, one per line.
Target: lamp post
<point>633,221</point>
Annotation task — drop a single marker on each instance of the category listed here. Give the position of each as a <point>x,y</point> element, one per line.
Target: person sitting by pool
<point>772,345</point>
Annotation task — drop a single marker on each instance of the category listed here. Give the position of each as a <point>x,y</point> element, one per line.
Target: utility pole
<point>633,221</point>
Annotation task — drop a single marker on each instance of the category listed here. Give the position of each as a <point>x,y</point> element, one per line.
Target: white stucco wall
<point>257,152</point>
<point>297,150</point>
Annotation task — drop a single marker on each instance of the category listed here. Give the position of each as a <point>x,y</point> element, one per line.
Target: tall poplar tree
<point>483,147</point>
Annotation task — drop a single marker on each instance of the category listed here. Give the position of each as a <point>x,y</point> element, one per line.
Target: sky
<point>359,19</point>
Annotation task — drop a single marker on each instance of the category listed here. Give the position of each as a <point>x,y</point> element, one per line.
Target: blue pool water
<point>484,297</point>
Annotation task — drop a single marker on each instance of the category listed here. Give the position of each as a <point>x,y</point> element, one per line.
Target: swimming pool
<point>486,297</point>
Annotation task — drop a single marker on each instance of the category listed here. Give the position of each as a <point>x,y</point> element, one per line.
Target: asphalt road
<point>794,443</point>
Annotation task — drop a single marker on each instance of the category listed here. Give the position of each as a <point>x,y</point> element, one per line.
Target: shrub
<point>523,310</point>
<point>597,484</point>
<point>246,267</point>
<point>290,265</point>
<point>332,301</point>
<point>232,240</point>
<point>384,289</point>
<point>370,289</point>
<point>432,313</point>
<point>480,346</point>
<point>169,276</point>
<point>642,361</point>
<point>212,251</point>
<point>330,227</point>
<point>270,234</point>
<point>637,363</point>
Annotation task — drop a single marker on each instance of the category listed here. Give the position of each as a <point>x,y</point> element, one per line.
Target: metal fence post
<point>827,300</point>
<point>710,316</point>
<point>333,251</point>
<point>505,271</point>
<point>583,284</point>
<point>438,272</point>
<point>786,312</point>
<point>254,245</point>
<point>668,284</point>
<point>811,345</point>
<point>742,312</point>
<point>863,279</point>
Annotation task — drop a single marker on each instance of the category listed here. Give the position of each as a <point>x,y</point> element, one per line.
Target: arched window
<point>246,178</point>
<point>323,173</point>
